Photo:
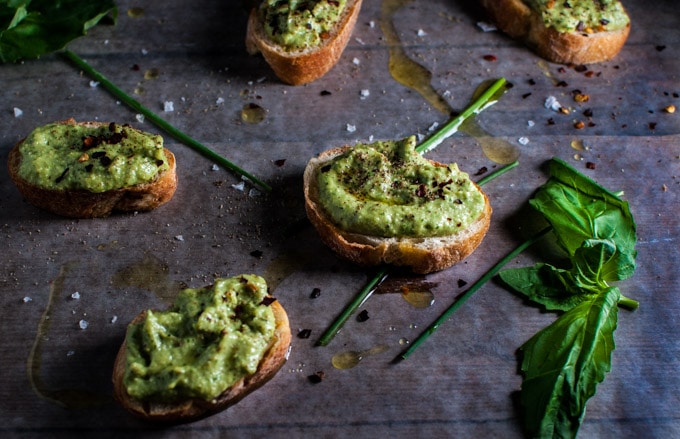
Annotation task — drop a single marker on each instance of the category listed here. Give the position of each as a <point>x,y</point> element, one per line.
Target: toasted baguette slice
<point>86,204</point>
<point>421,255</point>
<point>300,67</point>
<point>193,409</point>
<point>521,22</point>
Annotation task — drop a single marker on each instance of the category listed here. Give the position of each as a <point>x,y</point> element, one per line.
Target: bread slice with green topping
<point>191,409</point>
<point>300,66</point>
<point>420,254</point>
<point>76,202</point>
<point>558,39</point>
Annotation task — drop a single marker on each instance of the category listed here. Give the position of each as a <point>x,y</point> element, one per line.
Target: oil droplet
<point>149,274</point>
<point>349,359</point>
<point>418,298</point>
<point>413,75</point>
<point>577,145</point>
<point>135,12</point>
<point>253,113</point>
<point>152,74</point>
<point>578,157</point>
<point>139,90</point>
<point>404,341</point>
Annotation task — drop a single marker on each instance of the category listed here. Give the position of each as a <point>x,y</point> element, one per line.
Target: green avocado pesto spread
<point>96,159</point>
<point>300,24</point>
<point>208,340</point>
<point>581,15</point>
<point>387,189</point>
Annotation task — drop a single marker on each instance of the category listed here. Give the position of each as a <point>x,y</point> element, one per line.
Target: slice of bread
<point>421,255</point>
<point>87,204</point>
<point>521,22</point>
<point>193,409</point>
<point>300,67</point>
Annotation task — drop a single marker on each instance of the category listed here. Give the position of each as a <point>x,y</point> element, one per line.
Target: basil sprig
<point>30,28</point>
<point>564,363</point>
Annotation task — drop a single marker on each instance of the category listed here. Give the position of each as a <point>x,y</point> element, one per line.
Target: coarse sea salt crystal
<point>365,93</point>
<point>75,296</point>
<point>215,168</point>
<point>27,299</point>
<point>18,112</point>
<point>168,106</point>
<point>219,101</point>
<point>552,103</point>
<point>356,61</point>
<point>140,118</point>
<point>94,84</point>
<point>83,324</point>
<point>114,319</point>
<point>421,33</point>
<point>179,238</point>
<point>351,128</point>
<point>523,140</point>
<point>239,186</point>
<point>530,123</point>
<point>486,27</point>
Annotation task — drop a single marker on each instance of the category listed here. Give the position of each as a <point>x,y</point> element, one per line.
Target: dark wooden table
<point>462,381</point>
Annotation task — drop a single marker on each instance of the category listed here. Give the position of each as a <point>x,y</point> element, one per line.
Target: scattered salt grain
<point>219,101</point>
<point>83,324</point>
<point>27,299</point>
<point>365,93</point>
<point>168,106</point>
<point>18,112</point>
<point>179,238</point>
<point>94,84</point>
<point>552,103</point>
<point>114,319</point>
<point>75,296</point>
<point>371,24</point>
<point>523,140</point>
<point>254,193</point>
<point>215,168</point>
<point>239,186</point>
<point>145,52</point>
<point>486,27</point>
<point>360,41</point>
<point>356,61</point>
<point>530,123</point>
<point>351,128</point>
<point>421,33</point>
<point>70,353</point>
<point>140,118</point>
<point>433,126</point>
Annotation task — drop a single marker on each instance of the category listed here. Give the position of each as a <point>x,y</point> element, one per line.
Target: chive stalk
<point>160,122</point>
<point>473,288</point>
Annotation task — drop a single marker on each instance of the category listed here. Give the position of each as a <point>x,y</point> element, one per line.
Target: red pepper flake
<point>561,84</point>
<point>652,125</point>
<point>526,95</point>
<point>421,191</point>
<point>304,333</point>
<point>325,93</point>
<point>551,121</point>
<point>461,283</point>
<point>490,58</point>
<point>482,170</point>
<point>280,162</point>
<point>590,165</point>
<point>579,124</point>
<point>362,316</point>
<point>317,377</point>
<point>531,81</point>
<point>268,300</point>
<point>589,74</point>
<point>325,169</point>
<point>581,68</point>
<point>61,177</point>
<point>588,112</point>
<point>256,253</point>
<point>135,68</point>
<point>316,292</point>
<point>660,48</point>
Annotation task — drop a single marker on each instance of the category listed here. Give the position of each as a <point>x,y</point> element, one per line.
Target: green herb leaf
<point>564,363</point>
<point>546,285</point>
<point>579,210</point>
<point>30,28</point>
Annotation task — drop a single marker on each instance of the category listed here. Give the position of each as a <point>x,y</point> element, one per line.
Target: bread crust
<point>193,409</point>
<point>421,255</point>
<point>301,67</point>
<point>520,22</point>
<point>86,204</point>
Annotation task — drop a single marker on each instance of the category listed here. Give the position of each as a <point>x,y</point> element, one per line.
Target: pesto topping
<point>96,159</point>
<point>208,340</point>
<point>387,189</point>
<point>581,15</point>
<point>300,24</point>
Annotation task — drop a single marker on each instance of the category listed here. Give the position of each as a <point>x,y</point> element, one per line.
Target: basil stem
<point>158,121</point>
<point>373,283</point>
<point>473,288</point>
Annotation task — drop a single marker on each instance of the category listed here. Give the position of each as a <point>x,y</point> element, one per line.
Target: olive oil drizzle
<point>350,359</point>
<point>413,75</point>
<point>68,398</point>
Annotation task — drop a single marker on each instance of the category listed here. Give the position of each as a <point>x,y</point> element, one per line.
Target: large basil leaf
<point>579,209</point>
<point>31,28</point>
<point>564,363</point>
<point>546,285</point>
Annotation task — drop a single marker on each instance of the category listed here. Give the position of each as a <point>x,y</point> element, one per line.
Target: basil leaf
<point>31,28</point>
<point>579,209</point>
<point>564,363</point>
<point>546,285</point>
